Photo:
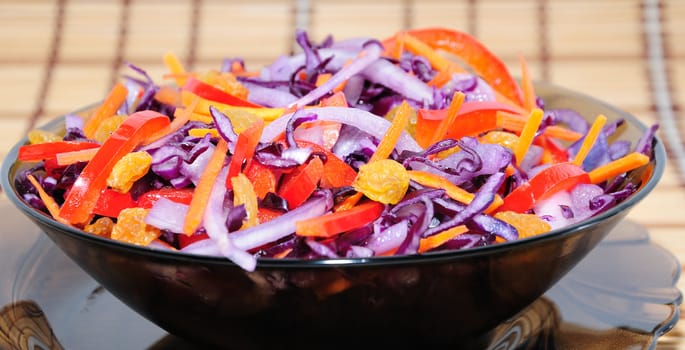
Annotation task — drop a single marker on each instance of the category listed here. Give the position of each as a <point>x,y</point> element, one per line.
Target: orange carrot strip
<point>349,202</point>
<point>108,108</point>
<point>626,163</point>
<point>385,147</point>
<point>399,123</point>
<point>515,122</point>
<point>528,134</point>
<point>83,155</point>
<point>168,95</point>
<point>453,191</point>
<point>434,241</point>
<point>49,202</point>
<point>337,99</point>
<point>324,77</point>
<point>527,86</point>
<point>590,139</point>
<point>452,112</point>
<point>181,117</point>
<point>418,47</point>
<point>175,67</point>
<point>203,189</point>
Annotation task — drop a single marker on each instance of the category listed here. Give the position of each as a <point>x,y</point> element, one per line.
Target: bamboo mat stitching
<point>53,56</point>
<point>661,88</point>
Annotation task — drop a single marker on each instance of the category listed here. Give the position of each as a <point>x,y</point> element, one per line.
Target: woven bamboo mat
<point>58,55</point>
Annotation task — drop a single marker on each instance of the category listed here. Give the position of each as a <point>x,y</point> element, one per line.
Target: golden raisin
<point>528,225</point>
<point>241,119</point>
<point>107,127</point>
<point>502,138</point>
<point>131,227</point>
<point>384,181</point>
<point>225,81</point>
<point>42,136</point>
<point>244,193</point>
<point>128,170</point>
<point>411,124</point>
<point>100,227</point>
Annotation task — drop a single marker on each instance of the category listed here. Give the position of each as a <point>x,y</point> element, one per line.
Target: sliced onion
<point>386,73</point>
<point>363,120</point>
<point>370,54</point>
<point>284,225</point>
<point>168,215</point>
<point>389,238</point>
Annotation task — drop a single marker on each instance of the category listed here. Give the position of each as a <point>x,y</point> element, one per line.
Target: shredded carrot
<point>337,99</point>
<point>385,147</point>
<point>420,48</point>
<point>515,122</point>
<point>322,78</point>
<point>527,86</point>
<point>590,139</point>
<point>452,112</point>
<point>436,240</point>
<point>624,164</point>
<point>49,202</point>
<point>399,123</point>
<point>107,108</point>
<point>349,202</point>
<point>453,191</point>
<point>84,155</point>
<point>528,134</point>
<point>396,47</point>
<point>175,67</point>
<point>169,95</point>
<point>203,189</point>
<point>181,117</point>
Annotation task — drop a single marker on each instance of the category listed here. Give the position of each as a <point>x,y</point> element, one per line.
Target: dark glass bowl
<point>444,298</point>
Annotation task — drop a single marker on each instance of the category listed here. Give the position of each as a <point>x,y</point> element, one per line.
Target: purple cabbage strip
<point>284,225</point>
<point>371,53</point>
<point>384,72</point>
<point>481,201</point>
<point>644,144</point>
<point>223,126</point>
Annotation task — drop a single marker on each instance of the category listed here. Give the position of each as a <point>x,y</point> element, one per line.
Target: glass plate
<point>621,296</point>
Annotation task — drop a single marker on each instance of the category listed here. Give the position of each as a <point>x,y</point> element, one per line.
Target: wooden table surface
<point>57,55</point>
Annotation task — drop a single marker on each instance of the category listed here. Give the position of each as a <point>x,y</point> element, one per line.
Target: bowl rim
<point>659,159</point>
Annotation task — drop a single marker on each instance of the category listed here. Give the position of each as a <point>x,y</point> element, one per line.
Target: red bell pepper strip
<point>49,150</point>
<point>262,177</point>
<point>83,195</point>
<point>336,173</point>
<point>111,203</point>
<point>300,184</point>
<point>178,195</point>
<point>331,224</point>
<point>244,149</point>
<point>185,240</point>
<point>476,55</point>
<point>556,178</point>
<point>211,93</point>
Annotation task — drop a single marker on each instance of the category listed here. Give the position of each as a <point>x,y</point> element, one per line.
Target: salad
<point>416,143</point>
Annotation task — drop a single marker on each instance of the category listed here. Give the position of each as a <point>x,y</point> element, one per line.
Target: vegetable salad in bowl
<point>419,143</point>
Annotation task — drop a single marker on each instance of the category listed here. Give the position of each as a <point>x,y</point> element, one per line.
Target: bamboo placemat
<point>58,55</point>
